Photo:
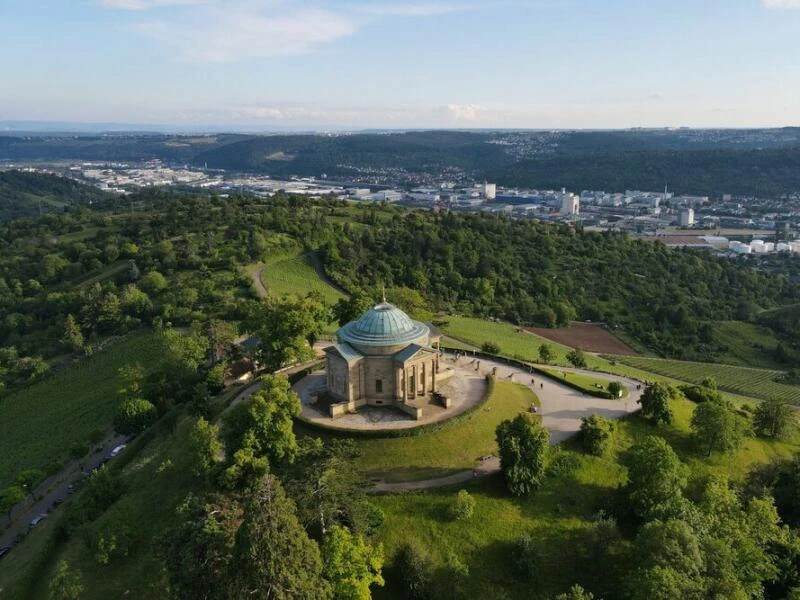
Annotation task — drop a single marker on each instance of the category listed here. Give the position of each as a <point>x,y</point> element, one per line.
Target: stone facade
<point>383,358</point>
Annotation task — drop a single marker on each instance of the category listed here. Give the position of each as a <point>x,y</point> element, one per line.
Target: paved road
<point>52,489</point>
<point>561,410</point>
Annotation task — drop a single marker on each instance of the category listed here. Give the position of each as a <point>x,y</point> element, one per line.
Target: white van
<point>117,450</point>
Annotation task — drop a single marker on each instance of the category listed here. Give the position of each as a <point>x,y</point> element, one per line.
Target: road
<point>52,489</point>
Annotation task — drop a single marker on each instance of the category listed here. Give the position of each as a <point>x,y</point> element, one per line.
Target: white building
<point>490,191</point>
<point>570,204</point>
<point>686,217</point>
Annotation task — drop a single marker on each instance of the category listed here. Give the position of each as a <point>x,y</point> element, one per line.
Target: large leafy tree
<point>264,422</point>
<point>287,328</point>
<point>350,564</point>
<point>655,402</point>
<point>656,479</point>
<point>274,556</point>
<point>774,418</point>
<point>327,486</point>
<point>717,428</point>
<point>351,308</point>
<point>522,444</point>
<point>9,498</point>
<point>595,434</point>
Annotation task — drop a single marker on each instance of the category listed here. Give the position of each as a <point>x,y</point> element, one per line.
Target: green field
<point>559,516</point>
<point>511,340</point>
<point>454,447</point>
<point>586,382</point>
<point>296,275</point>
<point>755,383</point>
<point>40,423</point>
<point>746,344</point>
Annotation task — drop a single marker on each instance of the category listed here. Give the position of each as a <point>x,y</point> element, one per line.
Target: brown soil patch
<point>591,337</point>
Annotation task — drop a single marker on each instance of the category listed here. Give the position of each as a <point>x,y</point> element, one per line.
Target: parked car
<point>4,550</point>
<point>36,520</point>
<point>117,450</point>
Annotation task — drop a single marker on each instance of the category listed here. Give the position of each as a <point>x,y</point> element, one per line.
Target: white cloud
<point>781,3</point>
<point>241,31</point>
<point>148,4</point>
<point>464,112</point>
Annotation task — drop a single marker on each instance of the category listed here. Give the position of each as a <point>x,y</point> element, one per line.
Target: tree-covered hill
<point>25,194</point>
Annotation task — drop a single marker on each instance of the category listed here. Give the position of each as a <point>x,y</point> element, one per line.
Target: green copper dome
<point>383,325</point>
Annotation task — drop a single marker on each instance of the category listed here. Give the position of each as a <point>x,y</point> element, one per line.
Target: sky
<point>342,64</point>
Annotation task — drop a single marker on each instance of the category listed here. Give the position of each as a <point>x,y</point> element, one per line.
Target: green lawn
<point>511,340</point>
<point>296,275</point>
<point>586,382</point>
<point>755,383</point>
<point>559,516</point>
<point>454,447</point>
<point>40,423</point>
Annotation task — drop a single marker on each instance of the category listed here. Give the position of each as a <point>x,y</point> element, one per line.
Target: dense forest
<point>88,274</point>
<point>712,162</point>
<point>546,275</point>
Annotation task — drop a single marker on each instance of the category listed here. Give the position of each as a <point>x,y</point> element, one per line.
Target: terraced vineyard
<point>756,383</point>
<point>296,275</point>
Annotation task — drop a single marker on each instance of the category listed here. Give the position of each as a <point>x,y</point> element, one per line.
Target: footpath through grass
<point>454,447</point>
<point>39,424</point>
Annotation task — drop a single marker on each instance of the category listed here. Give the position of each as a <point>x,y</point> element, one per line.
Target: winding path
<point>562,409</point>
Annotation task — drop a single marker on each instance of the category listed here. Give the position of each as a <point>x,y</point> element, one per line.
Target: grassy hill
<point>39,424</point>
<point>25,194</point>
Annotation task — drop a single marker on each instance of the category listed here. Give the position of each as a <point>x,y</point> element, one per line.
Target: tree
<point>656,479</point>
<point>413,570</point>
<point>615,389</point>
<point>655,403</point>
<point>595,434</point>
<point>523,444</point>
<point>9,498</point>
<point>287,328</point>
<point>716,428</point>
<point>462,507</point>
<point>264,422</point>
<point>72,334</point>
<point>576,592</point>
<point>134,416</point>
<point>576,358</point>
<point>545,353</point>
<point>274,556</point>
<point>153,282</point>
<point>204,446</point>
<point>773,418</point>
<point>350,309</point>
<point>66,584</point>
<point>351,565</point>
<point>198,554</point>
<point>327,486</point>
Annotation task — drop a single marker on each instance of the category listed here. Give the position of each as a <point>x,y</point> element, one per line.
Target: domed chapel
<point>382,358</point>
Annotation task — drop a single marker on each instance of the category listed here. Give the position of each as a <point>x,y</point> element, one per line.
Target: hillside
<point>25,194</point>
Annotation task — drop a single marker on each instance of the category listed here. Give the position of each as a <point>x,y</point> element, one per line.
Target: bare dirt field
<point>591,337</point>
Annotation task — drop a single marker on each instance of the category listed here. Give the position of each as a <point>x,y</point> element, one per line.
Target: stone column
<point>405,386</point>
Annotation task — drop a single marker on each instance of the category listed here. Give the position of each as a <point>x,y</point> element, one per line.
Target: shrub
<point>463,506</point>
<point>134,416</point>
<point>525,557</point>
<point>615,389</point>
<point>490,348</point>
<point>413,570</point>
<point>595,434</point>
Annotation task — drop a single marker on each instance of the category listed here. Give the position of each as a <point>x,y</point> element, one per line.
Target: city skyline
<point>284,65</point>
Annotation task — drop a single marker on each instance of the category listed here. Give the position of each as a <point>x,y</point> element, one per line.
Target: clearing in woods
<point>591,337</point>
